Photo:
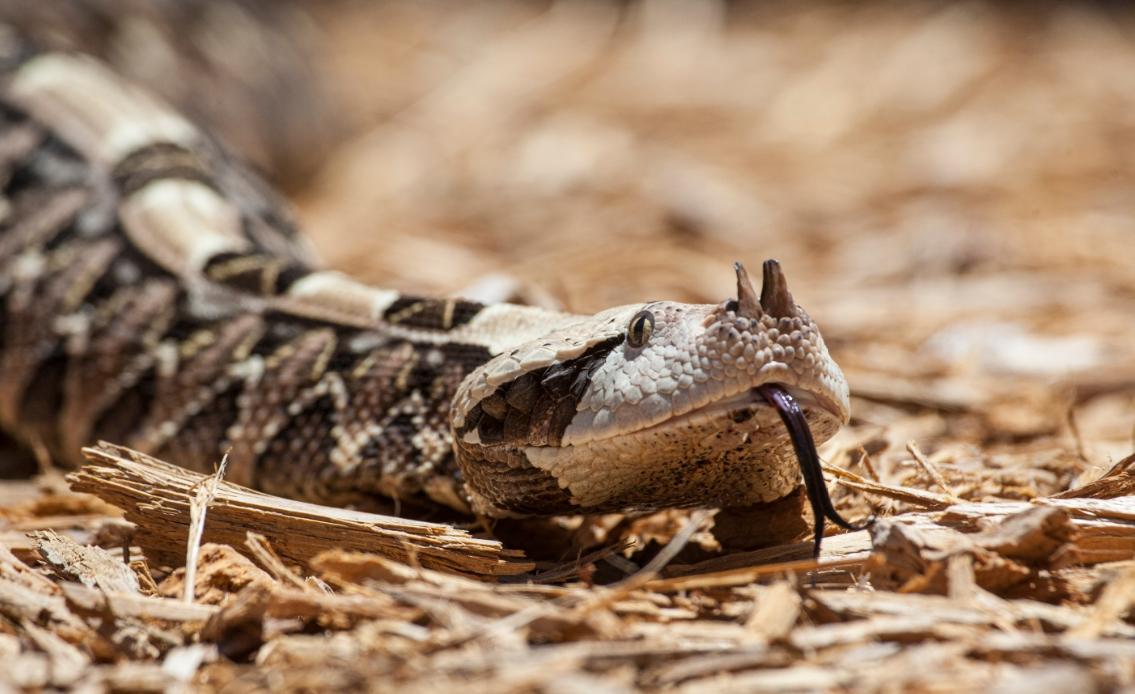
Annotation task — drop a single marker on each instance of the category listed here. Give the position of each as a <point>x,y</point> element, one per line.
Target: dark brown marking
<point>559,420</point>
<point>289,275</point>
<point>473,419</point>
<point>523,392</point>
<point>255,273</point>
<point>536,408</point>
<point>491,430</point>
<point>516,425</point>
<point>306,437</point>
<point>39,218</point>
<point>431,314</point>
<point>742,415</point>
<point>53,164</point>
<point>30,334</point>
<point>118,421</point>
<point>495,406</point>
<point>557,379</point>
<point>465,356</point>
<point>160,161</point>
<point>201,440</point>
<point>121,335</point>
<point>18,140</point>
<point>43,398</point>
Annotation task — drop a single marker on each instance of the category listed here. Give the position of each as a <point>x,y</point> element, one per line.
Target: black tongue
<point>805,447</point>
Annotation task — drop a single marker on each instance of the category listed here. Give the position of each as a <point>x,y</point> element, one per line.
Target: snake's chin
<point>733,452</point>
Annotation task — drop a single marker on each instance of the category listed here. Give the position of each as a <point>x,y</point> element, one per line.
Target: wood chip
<point>157,497</point>
<point>91,566</point>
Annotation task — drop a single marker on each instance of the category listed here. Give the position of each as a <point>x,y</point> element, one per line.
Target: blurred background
<point>949,186</point>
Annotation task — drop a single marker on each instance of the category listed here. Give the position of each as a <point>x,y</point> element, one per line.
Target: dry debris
<point>147,489</point>
<point>949,188</point>
<point>1042,585</point>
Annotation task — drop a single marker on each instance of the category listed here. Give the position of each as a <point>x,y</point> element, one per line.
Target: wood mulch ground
<point>951,191</point>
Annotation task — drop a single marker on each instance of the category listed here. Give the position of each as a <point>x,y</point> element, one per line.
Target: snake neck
<point>157,294</point>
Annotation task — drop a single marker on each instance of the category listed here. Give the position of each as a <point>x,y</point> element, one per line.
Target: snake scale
<point>156,294</point>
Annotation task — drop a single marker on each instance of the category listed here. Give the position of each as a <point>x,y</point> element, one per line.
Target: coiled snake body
<point>156,294</point>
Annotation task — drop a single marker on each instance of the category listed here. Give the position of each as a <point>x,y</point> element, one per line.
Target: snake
<point>155,292</point>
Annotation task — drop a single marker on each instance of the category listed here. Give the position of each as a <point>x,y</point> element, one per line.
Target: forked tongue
<point>805,447</point>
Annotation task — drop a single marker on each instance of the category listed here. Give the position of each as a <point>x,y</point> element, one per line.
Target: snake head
<point>648,406</point>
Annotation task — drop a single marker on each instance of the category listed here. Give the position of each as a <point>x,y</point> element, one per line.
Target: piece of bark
<point>843,551</point>
<point>156,497</point>
<point>260,612</point>
<point>1020,553</point>
<point>90,602</point>
<point>1105,532</point>
<point>262,550</point>
<point>27,597</point>
<point>222,572</point>
<point>1118,481</point>
<point>343,568</point>
<point>776,612</point>
<point>906,561</point>
<point>1036,536</point>
<point>67,661</point>
<point>92,566</point>
<point>139,627</point>
<point>1114,605</point>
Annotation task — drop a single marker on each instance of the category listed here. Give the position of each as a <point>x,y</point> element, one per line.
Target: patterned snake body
<point>156,294</point>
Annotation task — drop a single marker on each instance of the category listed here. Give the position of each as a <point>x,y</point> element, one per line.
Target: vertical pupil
<point>639,328</point>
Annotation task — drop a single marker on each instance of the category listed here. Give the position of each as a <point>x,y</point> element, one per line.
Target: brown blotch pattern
<point>98,341</point>
<point>536,408</point>
<point>430,313</point>
<point>160,161</point>
<point>254,273</point>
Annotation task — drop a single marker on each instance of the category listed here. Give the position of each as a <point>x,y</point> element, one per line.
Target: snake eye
<point>640,328</point>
